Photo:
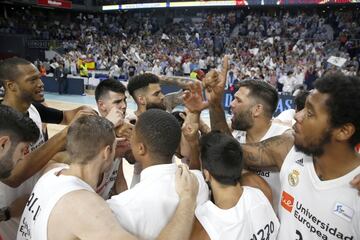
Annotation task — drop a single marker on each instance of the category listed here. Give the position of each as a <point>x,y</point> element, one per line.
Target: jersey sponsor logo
<point>293,178</point>
<point>314,225</point>
<point>287,201</point>
<point>24,229</point>
<point>343,211</point>
<point>300,162</point>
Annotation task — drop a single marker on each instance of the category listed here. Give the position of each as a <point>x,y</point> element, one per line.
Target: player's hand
<point>116,116</point>
<point>125,130</point>
<point>193,98</point>
<point>190,131</point>
<point>84,112</point>
<point>214,83</point>
<point>186,184</point>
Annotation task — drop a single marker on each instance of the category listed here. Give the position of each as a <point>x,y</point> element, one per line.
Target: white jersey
<point>315,209</point>
<point>271,176</point>
<point>109,179</point>
<point>8,194</point>
<point>145,209</point>
<point>47,192</point>
<point>251,218</point>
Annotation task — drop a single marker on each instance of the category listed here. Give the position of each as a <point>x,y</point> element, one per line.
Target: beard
<point>155,106</point>
<point>242,121</point>
<point>7,163</point>
<point>315,149</point>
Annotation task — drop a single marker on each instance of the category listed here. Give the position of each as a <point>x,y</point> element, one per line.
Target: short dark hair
<point>264,92</point>
<point>9,68</point>
<point>300,99</point>
<point>87,135</point>
<point>343,104</point>
<point>222,156</point>
<point>141,81</point>
<point>107,85</point>
<point>20,127</point>
<point>160,132</point>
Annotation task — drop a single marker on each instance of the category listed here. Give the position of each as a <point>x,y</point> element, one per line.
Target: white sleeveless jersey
<point>109,179</point>
<point>252,218</point>
<point>35,116</point>
<point>47,192</point>
<point>271,176</point>
<point>315,209</point>
<point>8,194</point>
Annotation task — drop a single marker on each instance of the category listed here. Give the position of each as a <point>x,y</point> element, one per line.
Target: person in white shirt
<point>146,91</point>
<point>186,67</point>
<point>156,69</point>
<point>17,131</point>
<point>253,106</point>
<point>319,199</point>
<point>111,102</point>
<point>23,92</point>
<point>289,82</point>
<point>63,204</point>
<point>154,142</point>
<point>235,211</point>
<point>320,179</point>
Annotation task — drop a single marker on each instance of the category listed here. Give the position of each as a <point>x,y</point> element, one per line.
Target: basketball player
<point>146,208</point>
<point>23,88</point>
<point>63,204</point>
<point>317,162</point>
<point>236,211</point>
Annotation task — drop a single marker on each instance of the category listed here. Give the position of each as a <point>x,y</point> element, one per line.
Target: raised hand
<point>186,184</point>
<point>190,128</point>
<point>214,83</point>
<point>193,98</point>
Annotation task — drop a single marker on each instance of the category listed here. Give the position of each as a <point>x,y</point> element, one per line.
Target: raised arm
<point>214,83</point>
<point>180,82</point>
<point>270,152</point>
<point>190,131</point>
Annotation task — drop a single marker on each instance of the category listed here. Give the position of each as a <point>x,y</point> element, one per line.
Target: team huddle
<point>256,178</point>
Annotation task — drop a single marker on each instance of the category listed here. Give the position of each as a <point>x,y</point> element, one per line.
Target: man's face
<point>11,154</point>
<point>312,130</point>
<point>110,100</point>
<point>241,107</point>
<point>28,84</point>
<point>154,97</point>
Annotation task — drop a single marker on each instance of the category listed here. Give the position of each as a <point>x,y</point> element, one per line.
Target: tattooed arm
<point>270,152</point>
<point>180,82</point>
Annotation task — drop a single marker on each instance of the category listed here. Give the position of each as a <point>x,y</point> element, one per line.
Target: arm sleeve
<point>49,115</point>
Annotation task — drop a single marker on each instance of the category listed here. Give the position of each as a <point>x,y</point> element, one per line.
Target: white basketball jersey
<point>109,179</point>
<point>35,116</point>
<point>8,194</point>
<point>47,192</point>
<point>251,218</point>
<point>315,209</point>
<point>271,176</point>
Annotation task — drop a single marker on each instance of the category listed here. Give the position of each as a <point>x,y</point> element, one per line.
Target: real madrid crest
<point>293,178</point>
